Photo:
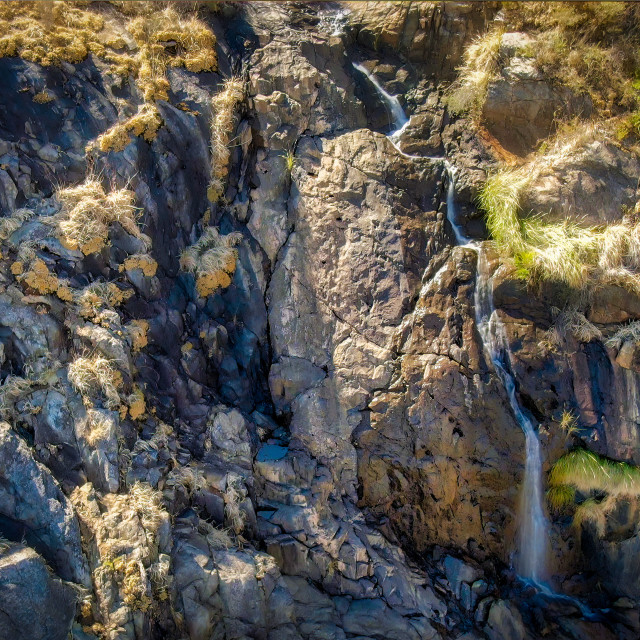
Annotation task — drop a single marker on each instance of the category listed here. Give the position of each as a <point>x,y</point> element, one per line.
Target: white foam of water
<point>398,117</point>
<point>333,23</point>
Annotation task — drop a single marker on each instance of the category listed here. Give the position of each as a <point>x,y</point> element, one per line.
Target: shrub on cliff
<point>213,260</point>
<point>87,212</point>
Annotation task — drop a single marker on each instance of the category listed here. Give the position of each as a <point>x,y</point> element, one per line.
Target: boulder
<point>37,508</point>
<point>34,605</point>
<point>505,622</point>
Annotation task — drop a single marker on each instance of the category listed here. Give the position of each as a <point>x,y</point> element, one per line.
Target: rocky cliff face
<point>245,387</point>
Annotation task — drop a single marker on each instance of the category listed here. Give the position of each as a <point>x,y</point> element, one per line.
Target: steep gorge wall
<point>332,408</point>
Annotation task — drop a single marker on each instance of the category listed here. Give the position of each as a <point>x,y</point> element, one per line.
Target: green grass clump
<point>566,252</point>
<point>601,480</point>
<point>500,198</point>
<point>561,498</point>
<point>588,472</point>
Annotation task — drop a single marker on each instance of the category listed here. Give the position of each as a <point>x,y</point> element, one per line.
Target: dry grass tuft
<point>101,427</point>
<point>222,124</point>
<point>627,333</point>
<point>12,223</point>
<point>99,295</point>
<point>213,259</point>
<point>92,375</point>
<point>87,212</point>
<point>145,123</point>
<point>480,66</point>
<point>566,252</point>
<point>591,47</point>
<point>234,515</point>
<point>48,32</point>
<point>217,539</point>
<point>571,321</point>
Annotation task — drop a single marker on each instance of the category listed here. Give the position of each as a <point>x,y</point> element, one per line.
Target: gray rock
<point>458,573</point>
<point>33,604</point>
<point>31,497</point>
<point>505,622</point>
<point>291,376</point>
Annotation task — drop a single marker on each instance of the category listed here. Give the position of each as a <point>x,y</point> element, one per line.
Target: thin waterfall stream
<point>531,555</point>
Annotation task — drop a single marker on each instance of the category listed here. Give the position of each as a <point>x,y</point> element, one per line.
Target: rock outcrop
<point>317,445</point>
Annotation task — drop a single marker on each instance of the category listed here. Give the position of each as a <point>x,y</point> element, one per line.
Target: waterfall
<point>399,119</point>
<point>461,239</point>
<point>533,531</point>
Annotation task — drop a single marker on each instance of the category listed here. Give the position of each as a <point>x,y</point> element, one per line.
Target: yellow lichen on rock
<point>65,293</point>
<point>213,260</point>
<point>138,331</point>
<point>145,123</point>
<point>42,97</point>
<point>144,262</point>
<point>40,279</point>
<point>137,404</point>
<point>17,267</point>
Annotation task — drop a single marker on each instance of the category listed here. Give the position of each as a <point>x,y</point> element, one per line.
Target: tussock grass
<point>11,391</point>
<point>218,539</point>
<point>500,198</point>
<point>568,252</point>
<point>97,296</point>
<point>145,123</point>
<point>48,32</point>
<point>480,66</point>
<point>590,47</point>
<point>561,498</point>
<point>571,321</point>
<point>588,472</point>
<point>100,427</point>
<point>222,125</point>
<point>12,223</point>
<point>234,515</point>
<point>195,42</point>
<point>627,333</point>
<point>601,480</point>
<point>213,260</point>
<point>87,212</point>
<point>94,374</point>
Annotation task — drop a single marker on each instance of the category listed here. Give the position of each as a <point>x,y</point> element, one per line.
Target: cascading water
<point>533,532</point>
<point>398,117</point>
